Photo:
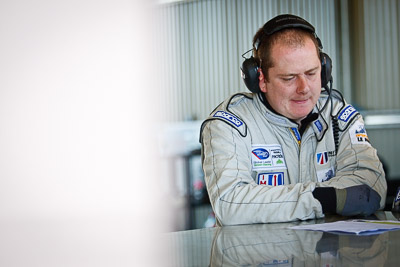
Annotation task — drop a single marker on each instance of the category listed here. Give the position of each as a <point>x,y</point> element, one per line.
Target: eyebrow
<point>313,69</point>
<point>293,74</point>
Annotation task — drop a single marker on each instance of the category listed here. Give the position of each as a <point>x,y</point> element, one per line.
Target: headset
<point>250,66</point>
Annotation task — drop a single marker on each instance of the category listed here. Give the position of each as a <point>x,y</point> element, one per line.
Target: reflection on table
<point>276,245</point>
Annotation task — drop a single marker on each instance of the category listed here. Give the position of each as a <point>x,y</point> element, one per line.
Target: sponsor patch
<point>228,117</point>
<point>397,196</point>
<point>275,263</point>
<point>267,157</point>
<point>358,134</point>
<point>261,153</point>
<point>273,179</point>
<point>345,115</point>
<point>322,158</point>
<point>318,124</point>
<point>326,174</point>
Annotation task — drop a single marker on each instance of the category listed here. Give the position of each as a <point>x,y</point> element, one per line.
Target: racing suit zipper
<point>304,141</point>
<point>296,134</point>
<point>297,138</point>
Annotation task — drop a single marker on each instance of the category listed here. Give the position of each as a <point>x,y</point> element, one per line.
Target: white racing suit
<point>258,169</point>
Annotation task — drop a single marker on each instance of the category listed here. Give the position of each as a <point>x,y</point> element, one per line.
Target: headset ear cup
<point>250,74</point>
<point>326,70</point>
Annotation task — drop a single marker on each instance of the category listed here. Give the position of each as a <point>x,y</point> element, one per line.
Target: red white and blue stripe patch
<point>272,179</point>
<point>322,158</point>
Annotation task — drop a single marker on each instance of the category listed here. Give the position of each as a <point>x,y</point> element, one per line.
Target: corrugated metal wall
<point>201,43</point>
<point>376,62</point>
<point>375,45</point>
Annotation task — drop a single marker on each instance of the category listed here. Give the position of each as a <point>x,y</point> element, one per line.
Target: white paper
<point>352,227</point>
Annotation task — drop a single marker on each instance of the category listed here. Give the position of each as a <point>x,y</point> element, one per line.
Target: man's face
<point>294,84</point>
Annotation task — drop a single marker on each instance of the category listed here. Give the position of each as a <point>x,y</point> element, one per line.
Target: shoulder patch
<point>232,119</point>
<point>347,113</point>
<point>358,134</point>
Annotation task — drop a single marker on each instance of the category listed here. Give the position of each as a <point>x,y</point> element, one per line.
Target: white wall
<point>78,173</point>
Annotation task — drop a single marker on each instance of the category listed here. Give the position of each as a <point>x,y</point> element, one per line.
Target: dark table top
<point>276,245</point>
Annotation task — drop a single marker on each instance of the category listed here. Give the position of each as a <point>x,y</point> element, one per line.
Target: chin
<point>301,115</point>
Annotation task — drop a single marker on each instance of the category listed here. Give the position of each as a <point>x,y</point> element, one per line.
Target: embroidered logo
<point>397,196</point>
<point>272,179</point>
<point>358,134</point>
<point>326,174</point>
<point>261,153</point>
<point>318,125</point>
<point>267,157</point>
<point>361,134</point>
<point>346,113</point>
<point>229,117</point>
<point>322,158</point>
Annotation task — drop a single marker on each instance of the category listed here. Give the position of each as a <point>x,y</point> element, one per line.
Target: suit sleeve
<point>357,161</point>
<point>235,196</point>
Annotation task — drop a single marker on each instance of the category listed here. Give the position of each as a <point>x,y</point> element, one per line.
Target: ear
<point>261,81</point>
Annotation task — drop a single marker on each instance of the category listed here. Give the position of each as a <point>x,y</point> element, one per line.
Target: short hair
<point>294,37</point>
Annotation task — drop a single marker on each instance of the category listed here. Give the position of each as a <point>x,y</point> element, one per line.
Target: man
<point>287,152</point>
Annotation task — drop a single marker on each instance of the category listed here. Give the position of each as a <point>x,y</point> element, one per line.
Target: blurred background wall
<point>200,46</point>
<point>75,143</point>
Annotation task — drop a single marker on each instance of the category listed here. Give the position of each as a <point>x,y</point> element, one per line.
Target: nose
<point>302,85</point>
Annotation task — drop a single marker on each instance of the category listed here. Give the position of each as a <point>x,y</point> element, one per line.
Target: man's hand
<point>357,200</point>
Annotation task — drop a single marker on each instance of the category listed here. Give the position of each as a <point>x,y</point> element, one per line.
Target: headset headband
<point>286,21</point>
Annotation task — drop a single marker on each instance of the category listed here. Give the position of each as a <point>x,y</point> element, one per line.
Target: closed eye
<point>287,78</point>
<point>312,72</point>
